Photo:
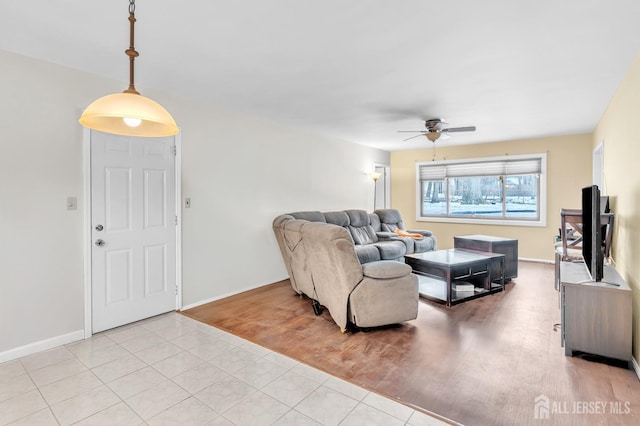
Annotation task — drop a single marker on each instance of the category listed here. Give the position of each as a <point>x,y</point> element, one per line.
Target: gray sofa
<point>373,233</point>
<point>322,263</point>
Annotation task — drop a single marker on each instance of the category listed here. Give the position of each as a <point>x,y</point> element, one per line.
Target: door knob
<point>100,243</point>
<point>99,227</point>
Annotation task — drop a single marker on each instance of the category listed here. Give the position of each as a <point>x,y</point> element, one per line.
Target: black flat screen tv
<point>592,232</point>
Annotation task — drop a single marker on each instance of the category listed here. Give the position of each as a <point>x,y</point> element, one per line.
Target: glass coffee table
<point>456,275</point>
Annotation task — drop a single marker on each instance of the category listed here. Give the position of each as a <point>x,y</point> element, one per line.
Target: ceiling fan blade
<point>412,137</point>
<point>411,131</point>
<point>460,129</point>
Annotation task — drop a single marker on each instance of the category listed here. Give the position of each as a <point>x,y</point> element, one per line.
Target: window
<point>500,190</point>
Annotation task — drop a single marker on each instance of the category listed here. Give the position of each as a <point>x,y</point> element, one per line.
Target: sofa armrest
<point>385,269</point>
<point>422,232</point>
<point>387,235</point>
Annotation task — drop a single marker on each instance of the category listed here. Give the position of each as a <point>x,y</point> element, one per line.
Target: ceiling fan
<point>436,129</point>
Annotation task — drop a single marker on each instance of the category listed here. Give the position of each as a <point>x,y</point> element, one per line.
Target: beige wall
<point>239,171</point>
<point>619,128</point>
<point>568,170</point>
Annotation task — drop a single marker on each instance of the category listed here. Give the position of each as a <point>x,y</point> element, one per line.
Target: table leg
<point>448,279</point>
<point>487,280</point>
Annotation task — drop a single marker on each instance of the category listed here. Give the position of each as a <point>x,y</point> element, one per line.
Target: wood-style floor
<point>482,362</point>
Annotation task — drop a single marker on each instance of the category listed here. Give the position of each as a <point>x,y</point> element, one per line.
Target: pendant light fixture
<point>129,113</point>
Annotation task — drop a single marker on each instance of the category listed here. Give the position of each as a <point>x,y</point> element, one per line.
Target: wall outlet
<point>187,203</point>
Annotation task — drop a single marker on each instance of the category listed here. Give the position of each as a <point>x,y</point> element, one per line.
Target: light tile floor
<point>171,369</point>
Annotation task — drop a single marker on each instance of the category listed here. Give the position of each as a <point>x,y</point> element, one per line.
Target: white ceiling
<point>358,70</point>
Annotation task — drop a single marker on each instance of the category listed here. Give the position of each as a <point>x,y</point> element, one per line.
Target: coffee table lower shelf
<point>435,289</point>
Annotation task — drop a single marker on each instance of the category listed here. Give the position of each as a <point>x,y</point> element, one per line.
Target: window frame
<point>447,218</point>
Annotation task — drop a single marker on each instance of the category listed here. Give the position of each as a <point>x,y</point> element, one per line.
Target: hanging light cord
<point>131,51</point>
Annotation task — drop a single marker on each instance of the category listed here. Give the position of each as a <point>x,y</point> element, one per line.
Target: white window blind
<point>439,171</point>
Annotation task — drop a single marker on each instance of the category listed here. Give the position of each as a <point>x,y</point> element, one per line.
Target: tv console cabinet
<point>595,316</point>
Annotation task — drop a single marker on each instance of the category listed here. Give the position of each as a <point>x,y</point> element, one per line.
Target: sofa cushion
<point>311,216</point>
<point>409,243</point>
<point>374,220</point>
<point>385,269</point>
<point>390,216</point>
<point>425,244</point>
<point>391,250</point>
<point>358,218</point>
<point>367,253</point>
<point>337,218</point>
<point>361,230</point>
<point>362,236</point>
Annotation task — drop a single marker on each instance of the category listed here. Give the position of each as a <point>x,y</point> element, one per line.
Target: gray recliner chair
<point>391,219</point>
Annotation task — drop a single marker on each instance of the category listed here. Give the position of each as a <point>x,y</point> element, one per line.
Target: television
<point>592,232</point>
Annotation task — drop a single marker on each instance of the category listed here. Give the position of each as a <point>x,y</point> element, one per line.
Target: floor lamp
<point>375,176</point>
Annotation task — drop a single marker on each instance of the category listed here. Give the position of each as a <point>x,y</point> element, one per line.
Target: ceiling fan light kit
<point>437,128</point>
<point>129,113</point>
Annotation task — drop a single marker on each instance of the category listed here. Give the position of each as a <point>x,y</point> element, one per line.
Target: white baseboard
<point>213,299</point>
<point>203,302</point>
<point>636,367</point>
<point>526,259</point>
<point>42,345</point>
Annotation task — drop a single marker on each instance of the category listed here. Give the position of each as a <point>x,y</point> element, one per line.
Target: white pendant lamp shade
<point>129,114</point>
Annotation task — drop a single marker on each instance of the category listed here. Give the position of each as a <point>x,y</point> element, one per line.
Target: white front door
<point>133,228</point>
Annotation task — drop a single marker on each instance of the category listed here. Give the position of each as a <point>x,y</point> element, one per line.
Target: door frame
<point>87,240</point>
<point>597,169</point>
<point>387,183</point>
